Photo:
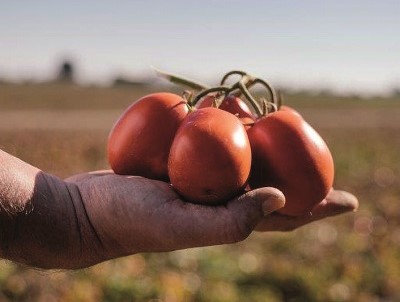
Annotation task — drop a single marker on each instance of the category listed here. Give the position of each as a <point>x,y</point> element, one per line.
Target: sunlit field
<point>63,130</point>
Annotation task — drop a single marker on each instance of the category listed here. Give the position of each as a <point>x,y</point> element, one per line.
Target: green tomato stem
<point>271,90</point>
<point>180,80</point>
<point>268,107</point>
<point>203,93</point>
<point>233,72</point>
<point>242,86</point>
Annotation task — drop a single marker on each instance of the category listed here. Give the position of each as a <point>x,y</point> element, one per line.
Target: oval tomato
<point>231,104</point>
<point>287,153</point>
<point>140,141</point>
<point>210,157</point>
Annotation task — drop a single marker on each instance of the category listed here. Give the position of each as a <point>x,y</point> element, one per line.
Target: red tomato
<point>287,153</point>
<point>231,104</point>
<point>210,157</point>
<point>140,141</point>
<point>207,101</point>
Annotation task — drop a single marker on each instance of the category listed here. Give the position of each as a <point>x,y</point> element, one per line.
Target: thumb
<point>270,199</point>
<point>249,208</point>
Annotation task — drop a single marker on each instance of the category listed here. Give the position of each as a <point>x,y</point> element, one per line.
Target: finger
<point>259,202</point>
<point>196,225</point>
<point>337,202</point>
<point>250,208</point>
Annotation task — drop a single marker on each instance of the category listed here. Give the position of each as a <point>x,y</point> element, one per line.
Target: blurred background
<point>69,69</point>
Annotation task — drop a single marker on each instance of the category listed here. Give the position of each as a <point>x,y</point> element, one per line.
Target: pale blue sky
<point>345,45</point>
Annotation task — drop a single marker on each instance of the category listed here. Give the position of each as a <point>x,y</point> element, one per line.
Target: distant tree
<point>396,92</point>
<point>66,72</point>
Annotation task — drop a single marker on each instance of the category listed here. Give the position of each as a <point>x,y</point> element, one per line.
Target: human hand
<point>337,202</point>
<point>50,223</point>
<point>131,214</point>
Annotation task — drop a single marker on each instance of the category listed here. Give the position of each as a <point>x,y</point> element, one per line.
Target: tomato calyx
<point>229,89</point>
<point>262,107</point>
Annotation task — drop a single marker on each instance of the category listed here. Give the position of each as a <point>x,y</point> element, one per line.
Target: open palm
<point>131,214</point>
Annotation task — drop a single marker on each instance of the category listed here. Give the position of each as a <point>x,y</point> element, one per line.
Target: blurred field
<point>356,257</point>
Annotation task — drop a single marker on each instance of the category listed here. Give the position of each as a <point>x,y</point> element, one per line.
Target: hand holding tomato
<point>96,216</point>
<point>133,214</point>
<point>203,160</point>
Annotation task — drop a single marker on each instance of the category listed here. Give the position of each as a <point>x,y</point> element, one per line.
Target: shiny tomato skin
<point>287,153</point>
<point>210,157</point>
<point>231,104</point>
<point>140,141</point>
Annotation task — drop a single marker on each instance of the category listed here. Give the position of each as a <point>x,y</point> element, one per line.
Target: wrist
<point>46,233</point>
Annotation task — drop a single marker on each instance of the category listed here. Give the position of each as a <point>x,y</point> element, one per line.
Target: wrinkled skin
<point>92,217</point>
<point>140,141</point>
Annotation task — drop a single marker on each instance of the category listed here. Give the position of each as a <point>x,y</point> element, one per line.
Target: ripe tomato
<point>287,153</point>
<point>210,157</point>
<point>140,141</point>
<point>231,104</point>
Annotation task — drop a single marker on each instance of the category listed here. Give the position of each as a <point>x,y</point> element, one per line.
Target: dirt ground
<point>103,119</point>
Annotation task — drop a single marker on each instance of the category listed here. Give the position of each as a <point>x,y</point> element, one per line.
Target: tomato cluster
<point>212,147</point>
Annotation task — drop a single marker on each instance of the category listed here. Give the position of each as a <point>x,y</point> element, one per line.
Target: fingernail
<point>347,201</point>
<point>271,200</point>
